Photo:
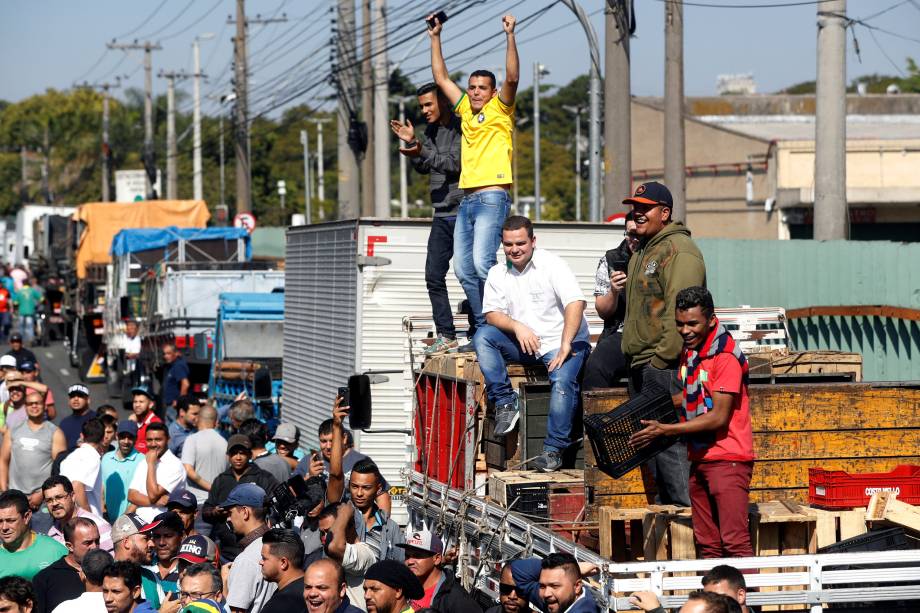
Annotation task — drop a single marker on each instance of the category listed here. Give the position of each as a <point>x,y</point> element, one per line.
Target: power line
<point>195,22</point>
<point>93,67</point>
<point>887,57</point>
<point>144,22</point>
<point>774,5</point>
<point>883,11</point>
<point>172,21</point>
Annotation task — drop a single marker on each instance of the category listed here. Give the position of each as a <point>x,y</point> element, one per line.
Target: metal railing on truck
<point>489,535</point>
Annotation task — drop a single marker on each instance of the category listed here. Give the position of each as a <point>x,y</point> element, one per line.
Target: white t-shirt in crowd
<point>170,475</point>
<point>132,345</point>
<point>536,297</point>
<point>87,602</point>
<point>83,465</point>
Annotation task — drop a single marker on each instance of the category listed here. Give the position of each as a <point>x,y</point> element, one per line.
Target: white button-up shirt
<point>536,297</point>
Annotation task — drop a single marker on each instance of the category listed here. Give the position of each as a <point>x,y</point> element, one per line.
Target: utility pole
<point>381,133</point>
<point>400,101</point>
<point>577,110</point>
<point>24,185</point>
<point>367,110</point>
<point>831,213</point>
<point>241,133</point>
<point>241,82</point>
<point>149,155</point>
<point>348,180</point>
<point>321,189</point>
<point>675,176</point>
<point>539,70</point>
<point>172,149</point>
<point>308,202</point>
<point>106,152</point>
<point>197,185</point>
<point>617,106</point>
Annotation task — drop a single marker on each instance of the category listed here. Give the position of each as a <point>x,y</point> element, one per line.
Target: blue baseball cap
<point>143,389</point>
<point>26,366</point>
<point>127,426</point>
<point>244,495</point>
<point>182,498</point>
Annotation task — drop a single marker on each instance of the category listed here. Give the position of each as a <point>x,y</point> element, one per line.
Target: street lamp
<point>197,186</point>
<point>577,110</point>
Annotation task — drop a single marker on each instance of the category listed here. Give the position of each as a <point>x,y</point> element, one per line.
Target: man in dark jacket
<point>510,596</point>
<point>439,158</point>
<point>607,364</point>
<point>242,470</point>
<point>424,549</point>
<point>667,261</point>
<point>554,584</point>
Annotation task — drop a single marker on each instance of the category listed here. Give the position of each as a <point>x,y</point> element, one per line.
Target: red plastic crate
<point>566,506</point>
<point>836,489</point>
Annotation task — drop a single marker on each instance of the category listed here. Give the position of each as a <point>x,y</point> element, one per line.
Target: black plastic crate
<point>609,432</point>
<point>890,539</point>
<point>529,499</point>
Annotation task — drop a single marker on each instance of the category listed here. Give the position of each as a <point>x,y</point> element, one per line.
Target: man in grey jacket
<point>439,158</point>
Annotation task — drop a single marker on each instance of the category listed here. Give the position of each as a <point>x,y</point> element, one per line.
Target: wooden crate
<point>502,485</point>
<point>656,532</point>
<point>857,427</point>
<point>815,362</point>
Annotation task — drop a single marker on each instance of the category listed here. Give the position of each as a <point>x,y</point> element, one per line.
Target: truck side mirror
<point>359,393</point>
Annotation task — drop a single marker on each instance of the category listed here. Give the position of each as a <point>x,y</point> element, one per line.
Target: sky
<point>55,43</point>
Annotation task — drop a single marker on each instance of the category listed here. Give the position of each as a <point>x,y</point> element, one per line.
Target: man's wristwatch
<point>412,144</point>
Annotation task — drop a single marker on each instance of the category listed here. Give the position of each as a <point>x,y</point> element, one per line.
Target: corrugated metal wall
<point>319,332</point>
<point>800,273</point>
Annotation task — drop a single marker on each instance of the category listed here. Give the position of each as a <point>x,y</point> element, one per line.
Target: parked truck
<point>137,255</point>
<point>95,224</point>
<point>248,349</point>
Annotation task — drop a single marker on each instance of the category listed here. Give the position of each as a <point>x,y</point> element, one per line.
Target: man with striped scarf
<point>715,420</point>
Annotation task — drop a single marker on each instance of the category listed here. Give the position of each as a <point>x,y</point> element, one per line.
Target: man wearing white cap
<point>7,364</point>
<point>424,550</point>
<point>80,413</point>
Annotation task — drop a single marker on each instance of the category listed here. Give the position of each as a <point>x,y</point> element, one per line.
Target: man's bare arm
<point>439,67</point>
<point>512,65</point>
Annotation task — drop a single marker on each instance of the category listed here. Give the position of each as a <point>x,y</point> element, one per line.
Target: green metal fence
<point>803,273</point>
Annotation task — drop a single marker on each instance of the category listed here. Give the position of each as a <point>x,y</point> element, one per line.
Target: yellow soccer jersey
<point>485,155</point>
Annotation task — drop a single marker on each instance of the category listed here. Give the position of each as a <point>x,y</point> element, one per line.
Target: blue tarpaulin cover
<point>142,239</point>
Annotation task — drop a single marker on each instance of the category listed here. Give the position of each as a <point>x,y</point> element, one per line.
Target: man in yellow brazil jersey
<point>486,120</point>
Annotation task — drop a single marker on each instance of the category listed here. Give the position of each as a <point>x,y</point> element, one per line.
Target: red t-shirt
<point>735,442</point>
<point>141,443</point>
<point>4,300</point>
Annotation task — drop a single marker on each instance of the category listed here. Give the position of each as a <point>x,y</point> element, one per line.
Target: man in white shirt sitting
<point>534,309</point>
<point>157,476</point>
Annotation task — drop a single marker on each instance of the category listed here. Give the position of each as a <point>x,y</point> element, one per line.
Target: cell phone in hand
<point>440,16</point>
<point>620,265</point>
<point>343,394</point>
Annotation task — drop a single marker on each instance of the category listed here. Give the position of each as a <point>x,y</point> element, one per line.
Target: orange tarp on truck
<point>105,219</point>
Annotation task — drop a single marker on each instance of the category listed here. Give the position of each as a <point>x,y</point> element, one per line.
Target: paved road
<point>58,374</point>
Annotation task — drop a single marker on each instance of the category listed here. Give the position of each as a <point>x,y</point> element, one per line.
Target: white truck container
<point>349,286</point>
<point>25,218</point>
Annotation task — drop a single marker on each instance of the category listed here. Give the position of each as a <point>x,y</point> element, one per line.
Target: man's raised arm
<point>439,68</point>
<point>512,65</point>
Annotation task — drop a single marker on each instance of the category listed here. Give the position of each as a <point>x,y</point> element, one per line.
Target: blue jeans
<point>27,327</point>
<point>477,235</point>
<point>494,349</point>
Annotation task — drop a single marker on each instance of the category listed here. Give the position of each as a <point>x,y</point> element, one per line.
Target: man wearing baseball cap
<point>667,261</point>
<point>131,538</point>
<point>389,587</point>
<point>80,413</point>
<point>241,471</point>
<point>197,549</point>
<point>7,364</point>
<point>22,354</point>
<point>118,468</point>
<point>185,505</point>
<point>247,590</point>
<point>29,372</point>
<point>424,550</point>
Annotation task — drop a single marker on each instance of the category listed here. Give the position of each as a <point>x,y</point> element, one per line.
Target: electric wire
<point>773,5</point>
<point>144,22</point>
<point>171,22</point>
<point>195,22</point>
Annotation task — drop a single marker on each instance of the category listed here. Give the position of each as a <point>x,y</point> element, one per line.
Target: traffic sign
<point>245,220</point>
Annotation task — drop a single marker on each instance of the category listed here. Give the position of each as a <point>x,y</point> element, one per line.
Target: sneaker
<point>506,417</point>
<point>442,344</point>
<point>467,348</point>
<point>547,462</point>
